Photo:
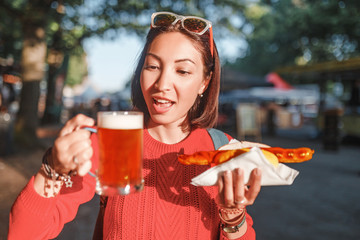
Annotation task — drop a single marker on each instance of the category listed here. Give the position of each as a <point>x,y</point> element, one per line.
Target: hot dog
<point>273,154</point>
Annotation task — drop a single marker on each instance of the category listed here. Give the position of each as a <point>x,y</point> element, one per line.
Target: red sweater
<point>169,207</point>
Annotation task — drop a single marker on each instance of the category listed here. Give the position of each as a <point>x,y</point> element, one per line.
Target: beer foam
<point>120,121</point>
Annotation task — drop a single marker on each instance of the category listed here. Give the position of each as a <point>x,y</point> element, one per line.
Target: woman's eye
<point>183,72</point>
<point>151,67</point>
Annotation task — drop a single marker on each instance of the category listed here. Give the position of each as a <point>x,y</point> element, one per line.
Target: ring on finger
<point>76,160</point>
<point>241,202</point>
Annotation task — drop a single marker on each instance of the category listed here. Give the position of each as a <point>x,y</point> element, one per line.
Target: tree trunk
<point>33,65</point>
<point>27,119</point>
<point>55,85</point>
<point>50,113</point>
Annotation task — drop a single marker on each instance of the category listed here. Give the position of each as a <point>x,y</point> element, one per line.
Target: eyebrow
<point>176,61</point>
<point>155,56</point>
<point>185,60</point>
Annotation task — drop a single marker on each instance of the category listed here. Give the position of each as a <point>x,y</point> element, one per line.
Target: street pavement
<point>322,203</point>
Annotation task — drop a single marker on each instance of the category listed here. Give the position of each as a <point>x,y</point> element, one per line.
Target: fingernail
<point>227,173</point>
<point>257,171</point>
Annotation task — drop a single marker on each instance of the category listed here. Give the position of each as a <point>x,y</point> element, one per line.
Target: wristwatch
<point>233,229</point>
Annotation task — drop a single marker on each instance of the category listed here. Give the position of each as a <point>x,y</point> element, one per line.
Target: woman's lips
<point>162,105</point>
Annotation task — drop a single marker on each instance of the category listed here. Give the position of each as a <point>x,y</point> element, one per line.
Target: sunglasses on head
<point>192,24</point>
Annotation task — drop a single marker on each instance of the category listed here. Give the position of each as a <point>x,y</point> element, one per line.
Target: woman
<point>176,85</point>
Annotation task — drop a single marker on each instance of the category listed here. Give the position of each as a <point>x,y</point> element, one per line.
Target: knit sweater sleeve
<point>35,217</point>
<point>250,232</point>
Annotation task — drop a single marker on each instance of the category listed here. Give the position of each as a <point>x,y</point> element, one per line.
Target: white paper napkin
<point>271,175</point>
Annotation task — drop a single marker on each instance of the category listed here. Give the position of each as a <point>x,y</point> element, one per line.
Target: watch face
<point>233,229</point>
<point>230,229</point>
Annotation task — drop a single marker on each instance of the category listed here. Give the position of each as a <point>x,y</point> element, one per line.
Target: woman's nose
<point>163,83</point>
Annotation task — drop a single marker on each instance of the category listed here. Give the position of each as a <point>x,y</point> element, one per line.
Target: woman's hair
<point>204,112</point>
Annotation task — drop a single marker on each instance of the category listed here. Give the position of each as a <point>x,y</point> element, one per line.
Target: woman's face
<point>172,77</point>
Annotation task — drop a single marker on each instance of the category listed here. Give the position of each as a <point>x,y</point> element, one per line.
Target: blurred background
<point>290,78</point>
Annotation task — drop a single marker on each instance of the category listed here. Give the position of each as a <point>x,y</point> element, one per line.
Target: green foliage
<point>69,22</point>
<point>10,35</point>
<point>77,20</point>
<point>299,32</point>
<point>277,32</point>
<point>77,69</point>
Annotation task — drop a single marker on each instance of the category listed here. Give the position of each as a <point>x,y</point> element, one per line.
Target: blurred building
<point>10,85</point>
<point>339,84</point>
<point>277,105</point>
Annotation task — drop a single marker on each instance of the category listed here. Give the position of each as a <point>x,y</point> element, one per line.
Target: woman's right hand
<point>72,149</point>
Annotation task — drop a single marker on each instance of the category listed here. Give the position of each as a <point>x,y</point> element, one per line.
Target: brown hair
<point>204,112</point>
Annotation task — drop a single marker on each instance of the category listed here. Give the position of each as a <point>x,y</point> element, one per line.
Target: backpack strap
<point>219,138</point>
<point>98,231</point>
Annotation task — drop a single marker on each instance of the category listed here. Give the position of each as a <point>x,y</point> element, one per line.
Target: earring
<point>201,95</point>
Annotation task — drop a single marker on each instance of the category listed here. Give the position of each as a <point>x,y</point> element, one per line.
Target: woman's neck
<point>168,134</point>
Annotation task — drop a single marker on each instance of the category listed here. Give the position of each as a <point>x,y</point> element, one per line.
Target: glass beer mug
<point>120,137</point>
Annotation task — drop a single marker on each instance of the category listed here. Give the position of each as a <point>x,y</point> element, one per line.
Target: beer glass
<point>120,136</point>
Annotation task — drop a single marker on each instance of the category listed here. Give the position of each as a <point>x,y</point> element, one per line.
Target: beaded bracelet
<point>231,210</point>
<point>234,221</point>
<point>52,174</point>
<point>48,170</point>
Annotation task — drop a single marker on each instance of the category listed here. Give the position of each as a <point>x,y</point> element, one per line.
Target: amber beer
<point>120,137</point>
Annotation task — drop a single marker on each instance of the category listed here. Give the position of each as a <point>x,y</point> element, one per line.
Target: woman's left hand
<point>233,193</point>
